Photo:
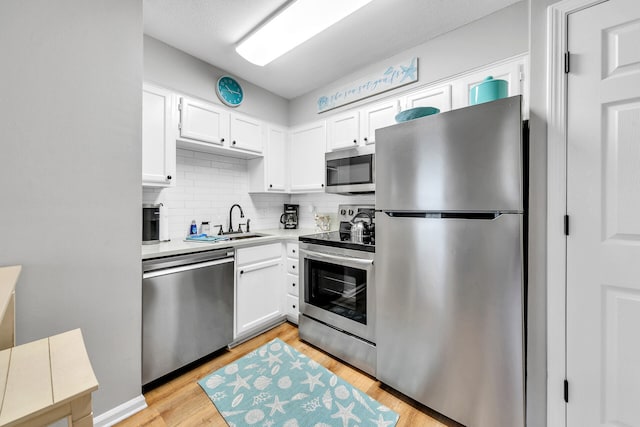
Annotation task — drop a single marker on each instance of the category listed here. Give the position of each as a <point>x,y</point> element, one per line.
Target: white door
<point>343,131</point>
<point>276,160</point>
<point>377,116</point>
<point>439,97</point>
<point>158,137</point>
<point>246,133</point>
<point>306,158</point>
<point>603,204</point>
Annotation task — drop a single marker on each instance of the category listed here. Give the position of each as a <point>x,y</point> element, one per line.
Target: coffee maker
<point>290,216</point>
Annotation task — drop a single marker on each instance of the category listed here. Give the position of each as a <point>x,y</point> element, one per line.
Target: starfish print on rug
<point>240,383</point>
<point>346,414</point>
<point>296,365</point>
<point>273,358</point>
<point>312,380</point>
<point>380,422</point>
<point>277,405</point>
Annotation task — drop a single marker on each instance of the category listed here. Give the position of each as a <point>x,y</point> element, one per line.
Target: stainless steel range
<point>337,300</point>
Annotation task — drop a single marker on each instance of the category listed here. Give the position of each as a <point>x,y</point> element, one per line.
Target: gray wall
<point>498,36</point>
<point>70,167</point>
<point>174,69</point>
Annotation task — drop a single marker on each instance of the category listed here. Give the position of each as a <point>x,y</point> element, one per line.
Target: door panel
<point>463,160</point>
<point>603,200</point>
<point>450,291</point>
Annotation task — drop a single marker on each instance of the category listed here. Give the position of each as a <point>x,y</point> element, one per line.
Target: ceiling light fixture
<point>297,23</point>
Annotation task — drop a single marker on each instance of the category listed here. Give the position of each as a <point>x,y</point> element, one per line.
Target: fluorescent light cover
<point>296,24</point>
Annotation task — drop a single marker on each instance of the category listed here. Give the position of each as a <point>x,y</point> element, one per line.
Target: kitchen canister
<point>488,90</point>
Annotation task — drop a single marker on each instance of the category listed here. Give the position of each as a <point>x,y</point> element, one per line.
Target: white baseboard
<point>120,412</point>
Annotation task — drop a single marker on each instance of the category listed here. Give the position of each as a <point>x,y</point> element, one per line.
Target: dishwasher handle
<point>173,270</point>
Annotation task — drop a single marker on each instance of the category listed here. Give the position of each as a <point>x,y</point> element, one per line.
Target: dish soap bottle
<point>194,228</point>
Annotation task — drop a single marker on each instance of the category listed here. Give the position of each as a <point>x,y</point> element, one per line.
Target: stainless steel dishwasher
<point>187,309</point>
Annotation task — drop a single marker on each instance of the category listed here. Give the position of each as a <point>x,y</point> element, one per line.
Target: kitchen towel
<point>276,385</point>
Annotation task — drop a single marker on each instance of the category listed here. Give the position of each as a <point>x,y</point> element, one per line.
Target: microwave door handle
<point>338,258</point>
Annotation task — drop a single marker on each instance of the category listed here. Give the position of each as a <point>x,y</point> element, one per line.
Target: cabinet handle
<point>366,139</point>
<point>233,142</point>
<point>293,284</point>
<point>294,306</point>
<point>169,177</point>
<point>221,139</point>
<point>355,141</point>
<point>241,271</point>
<point>293,250</point>
<point>293,266</point>
<point>321,185</point>
<point>270,185</point>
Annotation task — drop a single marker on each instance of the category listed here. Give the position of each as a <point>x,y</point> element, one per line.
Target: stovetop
<point>339,240</point>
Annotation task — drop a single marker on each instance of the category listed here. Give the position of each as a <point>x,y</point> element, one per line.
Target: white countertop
<point>180,247</point>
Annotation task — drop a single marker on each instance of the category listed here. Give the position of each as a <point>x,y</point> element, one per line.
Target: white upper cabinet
<point>306,157</point>
<point>438,97</point>
<point>158,137</point>
<point>343,131</point>
<point>203,122</point>
<point>377,116</point>
<point>268,174</point>
<point>511,71</point>
<point>246,133</point>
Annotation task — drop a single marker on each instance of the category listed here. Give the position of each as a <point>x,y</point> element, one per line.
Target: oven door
<point>338,288</point>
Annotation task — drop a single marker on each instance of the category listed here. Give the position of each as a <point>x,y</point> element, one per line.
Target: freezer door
<point>450,315</point>
<point>462,160</point>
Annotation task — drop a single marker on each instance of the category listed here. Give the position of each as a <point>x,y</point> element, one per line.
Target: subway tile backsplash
<point>208,184</point>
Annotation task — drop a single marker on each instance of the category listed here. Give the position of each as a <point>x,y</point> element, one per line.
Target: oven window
<point>339,289</point>
<point>350,170</point>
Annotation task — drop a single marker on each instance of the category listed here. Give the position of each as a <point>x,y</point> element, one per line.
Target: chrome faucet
<point>231,218</point>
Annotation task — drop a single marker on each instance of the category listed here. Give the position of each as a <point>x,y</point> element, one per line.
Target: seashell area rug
<point>277,386</point>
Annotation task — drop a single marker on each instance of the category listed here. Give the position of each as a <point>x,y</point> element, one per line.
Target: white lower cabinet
<point>292,283</point>
<point>258,287</point>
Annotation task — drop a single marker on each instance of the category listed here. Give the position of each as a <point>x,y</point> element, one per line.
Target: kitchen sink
<point>241,236</point>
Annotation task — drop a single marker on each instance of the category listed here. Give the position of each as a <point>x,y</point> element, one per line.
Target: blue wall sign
<point>390,78</point>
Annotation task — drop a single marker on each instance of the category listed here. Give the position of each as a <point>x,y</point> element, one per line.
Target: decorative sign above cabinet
<point>390,78</point>
<point>229,91</point>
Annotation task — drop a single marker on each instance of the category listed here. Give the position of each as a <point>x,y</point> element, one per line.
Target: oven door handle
<point>339,258</point>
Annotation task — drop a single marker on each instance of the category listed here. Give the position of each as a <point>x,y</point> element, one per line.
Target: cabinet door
<point>158,137</point>
<point>378,116</point>
<point>512,72</point>
<point>201,121</point>
<point>306,158</point>
<point>276,160</point>
<point>258,294</point>
<point>439,97</point>
<point>343,131</point>
<point>246,133</point>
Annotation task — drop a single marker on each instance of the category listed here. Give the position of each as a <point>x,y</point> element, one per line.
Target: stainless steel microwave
<point>351,171</point>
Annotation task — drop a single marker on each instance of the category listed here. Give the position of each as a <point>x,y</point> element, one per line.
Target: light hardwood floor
<point>181,401</point>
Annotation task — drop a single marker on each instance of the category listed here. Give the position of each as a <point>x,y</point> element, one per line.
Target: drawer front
<point>292,308</point>
<point>292,284</point>
<point>292,266</point>
<point>254,254</point>
<point>292,250</point>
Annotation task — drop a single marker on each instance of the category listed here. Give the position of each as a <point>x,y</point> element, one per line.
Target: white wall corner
<point>120,412</point>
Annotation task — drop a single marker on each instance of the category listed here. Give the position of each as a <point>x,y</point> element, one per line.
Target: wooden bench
<point>43,381</point>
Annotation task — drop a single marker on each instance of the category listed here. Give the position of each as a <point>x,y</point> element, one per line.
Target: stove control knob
<point>343,212</point>
<point>350,211</point>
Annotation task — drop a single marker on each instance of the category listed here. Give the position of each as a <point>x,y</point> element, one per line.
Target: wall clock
<point>229,91</point>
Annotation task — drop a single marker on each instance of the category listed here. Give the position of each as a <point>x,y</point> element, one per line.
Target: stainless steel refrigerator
<point>449,262</point>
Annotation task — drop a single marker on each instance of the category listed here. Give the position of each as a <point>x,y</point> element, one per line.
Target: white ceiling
<point>209,30</point>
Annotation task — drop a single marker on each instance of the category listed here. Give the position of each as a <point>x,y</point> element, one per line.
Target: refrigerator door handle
<point>444,215</point>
